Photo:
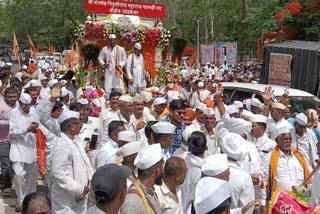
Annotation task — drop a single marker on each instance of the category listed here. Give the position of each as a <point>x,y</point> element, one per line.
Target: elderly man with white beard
<point>285,166</point>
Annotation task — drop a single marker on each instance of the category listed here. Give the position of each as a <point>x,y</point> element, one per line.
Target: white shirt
<point>307,145</point>
<point>23,143</point>
<point>212,142</point>
<point>44,108</point>
<point>252,162</point>
<point>106,154</point>
<point>241,186</point>
<point>263,144</point>
<point>193,176</point>
<point>272,127</point>
<point>181,152</point>
<point>130,125</point>
<point>289,171</point>
<point>168,202</point>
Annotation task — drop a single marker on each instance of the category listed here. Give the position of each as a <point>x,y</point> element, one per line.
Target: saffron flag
<point>16,49</point>
<point>33,49</point>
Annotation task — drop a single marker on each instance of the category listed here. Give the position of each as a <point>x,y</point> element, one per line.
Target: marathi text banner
<point>126,8</point>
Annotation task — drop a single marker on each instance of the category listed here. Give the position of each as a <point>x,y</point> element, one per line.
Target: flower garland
<point>141,35</point>
<point>153,36</point>
<point>165,38</point>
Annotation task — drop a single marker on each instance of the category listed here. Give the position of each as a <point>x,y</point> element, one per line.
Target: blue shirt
<point>177,136</point>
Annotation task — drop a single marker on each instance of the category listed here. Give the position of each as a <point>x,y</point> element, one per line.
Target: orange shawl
<point>274,164</point>
<point>41,150</point>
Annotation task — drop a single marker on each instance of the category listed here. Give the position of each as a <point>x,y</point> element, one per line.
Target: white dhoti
<point>25,179</point>
<point>135,72</point>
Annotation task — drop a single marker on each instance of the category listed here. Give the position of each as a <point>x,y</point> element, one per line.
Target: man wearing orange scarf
<point>285,166</point>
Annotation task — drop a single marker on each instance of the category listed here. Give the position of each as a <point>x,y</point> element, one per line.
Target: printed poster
<point>280,69</point>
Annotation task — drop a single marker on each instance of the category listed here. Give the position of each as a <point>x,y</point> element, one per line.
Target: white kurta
<point>108,56</point>
<point>71,171</point>
<point>135,72</point>
<point>23,143</point>
<point>263,144</point>
<point>315,188</point>
<point>44,108</point>
<point>106,154</point>
<point>307,145</point>
<point>289,171</point>
<point>193,176</point>
<point>241,186</point>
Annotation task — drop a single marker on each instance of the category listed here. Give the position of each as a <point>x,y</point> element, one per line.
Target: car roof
<point>278,90</point>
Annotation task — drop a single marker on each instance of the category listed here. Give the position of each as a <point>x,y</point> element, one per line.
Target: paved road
<point>7,204</point>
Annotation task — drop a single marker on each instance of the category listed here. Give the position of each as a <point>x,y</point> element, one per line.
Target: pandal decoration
<point>285,202</point>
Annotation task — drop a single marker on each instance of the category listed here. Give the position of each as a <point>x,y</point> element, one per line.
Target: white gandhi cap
<point>256,103</point>
<point>146,96</point>
<point>127,136</point>
<point>232,109</point>
<point>112,36</point>
<point>163,128</point>
<point>67,115</point>
<point>126,98</point>
<point>148,157</point>
<point>215,164</point>
<point>130,148</point>
<point>210,193</point>
<point>137,46</point>
<point>233,145</point>
<point>282,130</point>
<point>201,106</point>
<point>258,118</point>
<point>83,101</point>
<point>159,101</point>
<point>209,112</point>
<point>25,98</point>
<point>302,119</point>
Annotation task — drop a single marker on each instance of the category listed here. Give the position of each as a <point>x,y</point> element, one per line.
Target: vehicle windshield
<point>300,104</point>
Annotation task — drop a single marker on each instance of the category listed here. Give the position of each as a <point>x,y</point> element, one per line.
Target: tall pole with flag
<point>16,49</point>
<point>33,49</point>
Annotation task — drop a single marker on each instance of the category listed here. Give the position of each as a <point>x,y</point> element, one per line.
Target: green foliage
<point>47,21</point>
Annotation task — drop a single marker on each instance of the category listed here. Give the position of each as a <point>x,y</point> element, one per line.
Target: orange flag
<point>16,49</point>
<point>67,59</point>
<point>33,48</point>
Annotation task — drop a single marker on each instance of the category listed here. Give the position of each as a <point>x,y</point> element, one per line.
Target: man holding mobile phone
<point>23,124</point>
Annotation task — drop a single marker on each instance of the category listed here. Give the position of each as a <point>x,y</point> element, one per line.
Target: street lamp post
<point>198,35</point>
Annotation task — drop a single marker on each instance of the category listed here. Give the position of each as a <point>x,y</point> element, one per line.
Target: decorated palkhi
<point>128,30</point>
<point>284,202</point>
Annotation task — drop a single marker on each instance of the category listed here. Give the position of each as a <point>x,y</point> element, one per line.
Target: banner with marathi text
<point>280,69</point>
<point>207,53</point>
<point>141,9</point>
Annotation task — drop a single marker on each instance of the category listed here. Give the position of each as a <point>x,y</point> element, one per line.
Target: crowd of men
<point>183,152</point>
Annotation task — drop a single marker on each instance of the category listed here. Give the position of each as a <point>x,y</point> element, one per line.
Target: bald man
<point>169,193</point>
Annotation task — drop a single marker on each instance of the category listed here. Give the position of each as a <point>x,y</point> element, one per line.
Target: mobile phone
<point>93,141</point>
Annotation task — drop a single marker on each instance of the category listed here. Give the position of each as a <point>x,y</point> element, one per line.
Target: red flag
<point>16,49</point>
